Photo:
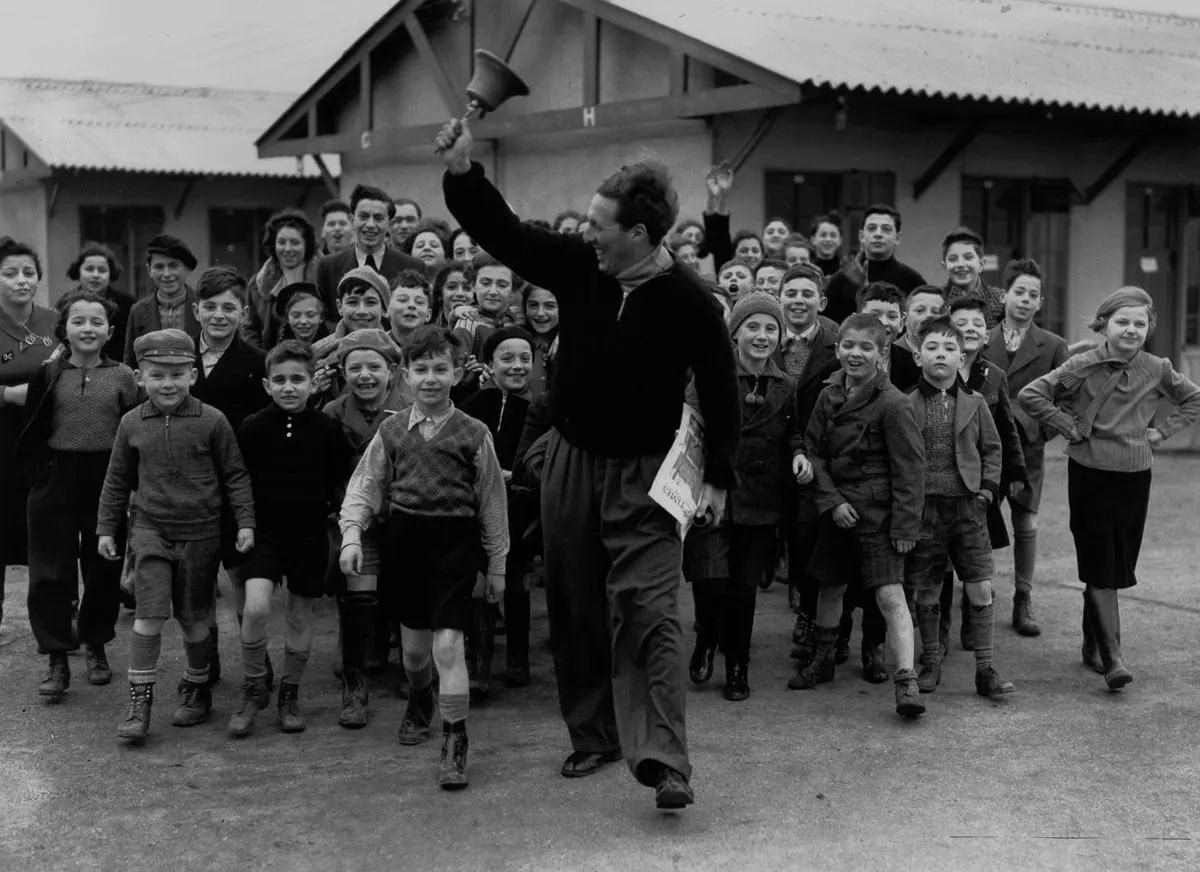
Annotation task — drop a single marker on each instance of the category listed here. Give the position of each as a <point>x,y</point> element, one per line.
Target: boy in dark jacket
<point>867,456</point>
<point>1027,352</point>
<point>961,471</point>
<point>183,458</point>
<point>501,405</point>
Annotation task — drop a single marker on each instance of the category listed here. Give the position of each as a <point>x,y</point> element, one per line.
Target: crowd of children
<point>355,422</point>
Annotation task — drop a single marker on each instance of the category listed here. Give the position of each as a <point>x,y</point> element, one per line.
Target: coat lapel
<point>964,409</point>
<point>1029,350</point>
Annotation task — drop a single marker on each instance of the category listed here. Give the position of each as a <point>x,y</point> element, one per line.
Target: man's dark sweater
<point>504,414</point>
<point>298,466</point>
<point>847,282</point>
<point>621,369</point>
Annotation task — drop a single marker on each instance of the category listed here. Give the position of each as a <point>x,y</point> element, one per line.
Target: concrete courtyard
<point>1064,775</point>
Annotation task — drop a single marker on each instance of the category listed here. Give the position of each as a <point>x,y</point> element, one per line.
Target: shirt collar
<point>807,335</point>
<point>105,361</point>
<point>190,408</point>
<point>416,416</point>
<point>361,255</point>
<point>929,390</point>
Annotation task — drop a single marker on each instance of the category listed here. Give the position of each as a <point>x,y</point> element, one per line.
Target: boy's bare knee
<point>979,592</point>
<point>447,645</point>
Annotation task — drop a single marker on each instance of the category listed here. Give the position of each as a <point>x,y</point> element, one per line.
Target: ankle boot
<point>803,638</point>
<point>820,669</point>
<point>1107,615</point>
<point>357,617</point>
<point>1090,651</point>
<point>58,678</point>
<point>96,661</point>
<point>929,620</point>
<point>516,640</point>
<point>874,662</point>
<point>418,717</point>
<point>291,719</point>
<point>737,680</point>
<point>908,694</point>
<point>195,704</point>
<point>454,756</point>
<point>1022,614</point>
<point>136,725</point>
<point>255,698</point>
<point>841,649</point>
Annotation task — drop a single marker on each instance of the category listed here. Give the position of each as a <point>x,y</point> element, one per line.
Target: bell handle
<point>472,108</point>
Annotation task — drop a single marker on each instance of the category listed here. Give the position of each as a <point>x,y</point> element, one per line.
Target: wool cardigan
<point>1112,403</point>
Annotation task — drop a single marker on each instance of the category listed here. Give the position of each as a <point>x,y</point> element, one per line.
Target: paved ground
<point>1063,776</point>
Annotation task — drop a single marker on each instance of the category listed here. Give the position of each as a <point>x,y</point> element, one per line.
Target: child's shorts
<point>953,532</point>
<point>842,557</point>
<point>430,566</point>
<point>372,560</point>
<point>299,555</point>
<point>173,576</point>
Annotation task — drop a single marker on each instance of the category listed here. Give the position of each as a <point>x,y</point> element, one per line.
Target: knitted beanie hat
<point>754,303</point>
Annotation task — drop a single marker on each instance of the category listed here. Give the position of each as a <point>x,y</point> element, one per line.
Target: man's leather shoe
<point>672,790</point>
<point>581,763</point>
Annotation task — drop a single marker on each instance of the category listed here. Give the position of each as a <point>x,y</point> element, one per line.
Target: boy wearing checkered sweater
<point>432,471</point>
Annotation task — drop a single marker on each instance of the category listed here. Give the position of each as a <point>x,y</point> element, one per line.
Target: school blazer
<point>1040,352</point>
<point>143,319</point>
<point>332,267</point>
<point>822,363</point>
<point>978,453</point>
<point>235,385</point>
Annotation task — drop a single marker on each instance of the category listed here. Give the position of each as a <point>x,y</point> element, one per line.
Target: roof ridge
<point>142,87</point>
<point>1082,8</point>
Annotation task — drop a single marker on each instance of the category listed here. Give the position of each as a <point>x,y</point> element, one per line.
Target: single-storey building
<point>118,163</point>
<point>1065,132</point>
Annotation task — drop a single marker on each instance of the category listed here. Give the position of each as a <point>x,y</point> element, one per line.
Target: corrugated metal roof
<point>144,128</point>
<point>1059,54</point>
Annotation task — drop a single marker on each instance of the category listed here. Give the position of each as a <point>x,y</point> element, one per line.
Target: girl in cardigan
<point>1104,402</point>
<point>72,411</point>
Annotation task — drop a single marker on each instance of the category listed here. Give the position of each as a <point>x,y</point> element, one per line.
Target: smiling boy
<point>875,261</point>
<point>962,258</point>
<point>433,469</point>
<point>183,459</point>
<point>168,261</point>
<point>867,456</point>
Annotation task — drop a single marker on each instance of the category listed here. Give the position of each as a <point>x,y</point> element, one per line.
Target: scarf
<point>653,265</point>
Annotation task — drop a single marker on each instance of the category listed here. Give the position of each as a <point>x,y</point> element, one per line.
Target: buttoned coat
<point>867,451</point>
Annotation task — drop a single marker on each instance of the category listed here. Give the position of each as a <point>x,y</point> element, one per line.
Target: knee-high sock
<point>197,660</point>
<point>143,658</point>
<point>982,622</point>
<point>1024,558</point>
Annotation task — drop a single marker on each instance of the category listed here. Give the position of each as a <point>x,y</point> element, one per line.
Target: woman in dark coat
<point>26,342</point>
<point>292,245</point>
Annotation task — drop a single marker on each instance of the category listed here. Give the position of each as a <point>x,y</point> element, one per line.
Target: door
<point>1154,217</point>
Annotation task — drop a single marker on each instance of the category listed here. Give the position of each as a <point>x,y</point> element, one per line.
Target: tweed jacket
<point>1040,352</point>
<point>143,319</point>
<point>977,449</point>
<point>866,450</point>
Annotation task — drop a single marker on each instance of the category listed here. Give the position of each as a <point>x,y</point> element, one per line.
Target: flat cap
<point>165,346</point>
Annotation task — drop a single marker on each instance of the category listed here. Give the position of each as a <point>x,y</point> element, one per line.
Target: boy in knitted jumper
<point>962,478</point>
<point>184,460</point>
<point>435,470</point>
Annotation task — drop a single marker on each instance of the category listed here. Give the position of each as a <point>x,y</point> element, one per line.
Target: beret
<point>497,336</point>
<point>172,246</point>
<point>288,293</point>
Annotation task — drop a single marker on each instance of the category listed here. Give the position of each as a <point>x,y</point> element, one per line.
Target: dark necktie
<point>371,262</point>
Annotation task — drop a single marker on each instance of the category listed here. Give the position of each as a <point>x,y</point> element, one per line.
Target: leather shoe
<point>582,763</point>
<point>700,666</point>
<point>672,790</point>
<point>874,664</point>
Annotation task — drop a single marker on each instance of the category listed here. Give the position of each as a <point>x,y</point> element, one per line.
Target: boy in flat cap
<point>183,458</point>
<point>169,261</point>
